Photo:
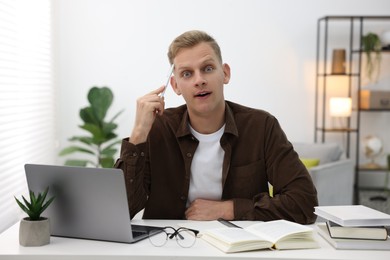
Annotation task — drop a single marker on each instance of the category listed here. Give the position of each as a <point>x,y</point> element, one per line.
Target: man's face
<point>199,76</point>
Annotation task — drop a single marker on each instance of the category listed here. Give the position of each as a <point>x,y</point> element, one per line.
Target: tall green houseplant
<point>101,141</point>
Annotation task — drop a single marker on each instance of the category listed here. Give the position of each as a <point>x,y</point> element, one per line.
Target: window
<point>27,124</point>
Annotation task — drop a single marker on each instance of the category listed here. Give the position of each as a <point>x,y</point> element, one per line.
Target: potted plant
<point>101,132</point>
<point>371,46</point>
<point>34,230</point>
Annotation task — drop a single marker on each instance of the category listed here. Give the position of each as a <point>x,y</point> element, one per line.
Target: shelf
<point>347,17</point>
<point>385,51</point>
<point>342,130</point>
<point>352,43</point>
<point>374,109</point>
<point>381,169</point>
<point>337,75</point>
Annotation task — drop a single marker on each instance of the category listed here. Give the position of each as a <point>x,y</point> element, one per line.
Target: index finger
<point>158,91</point>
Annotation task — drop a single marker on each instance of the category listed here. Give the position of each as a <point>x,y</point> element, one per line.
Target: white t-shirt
<point>206,167</point>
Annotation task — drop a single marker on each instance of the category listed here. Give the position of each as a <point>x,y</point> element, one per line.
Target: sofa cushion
<point>325,152</point>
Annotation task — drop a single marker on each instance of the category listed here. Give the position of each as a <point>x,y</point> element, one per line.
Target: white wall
<point>270,46</point>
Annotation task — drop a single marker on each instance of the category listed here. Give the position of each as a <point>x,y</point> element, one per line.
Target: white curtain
<point>26,98</point>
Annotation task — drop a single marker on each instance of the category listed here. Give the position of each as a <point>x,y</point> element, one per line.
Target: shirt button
<point>183,197</point>
<point>189,155</point>
<point>142,154</point>
<point>131,180</point>
<point>134,154</point>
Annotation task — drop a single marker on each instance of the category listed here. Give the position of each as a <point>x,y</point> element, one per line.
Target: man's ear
<point>226,72</point>
<point>174,86</point>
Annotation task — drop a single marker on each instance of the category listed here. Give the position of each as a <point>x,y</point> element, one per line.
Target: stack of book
<point>354,227</point>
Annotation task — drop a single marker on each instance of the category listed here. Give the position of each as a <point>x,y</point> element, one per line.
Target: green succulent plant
<point>36,206</point>
<point>101,142</point>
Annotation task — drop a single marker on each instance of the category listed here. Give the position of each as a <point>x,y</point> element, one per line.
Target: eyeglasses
<point>184,237</point>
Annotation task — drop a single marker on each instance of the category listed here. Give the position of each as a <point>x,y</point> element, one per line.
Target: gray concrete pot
<point>34,233</point>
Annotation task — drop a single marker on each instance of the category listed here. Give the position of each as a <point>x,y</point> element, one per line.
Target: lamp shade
<point>340,106</point>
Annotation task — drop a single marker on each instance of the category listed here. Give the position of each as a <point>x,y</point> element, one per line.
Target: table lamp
<point>340,107</point>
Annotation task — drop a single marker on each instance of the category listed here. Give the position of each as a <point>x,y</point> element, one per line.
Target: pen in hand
<point>169,77</point>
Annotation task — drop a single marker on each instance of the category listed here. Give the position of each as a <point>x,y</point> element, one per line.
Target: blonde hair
<point>190,39</point>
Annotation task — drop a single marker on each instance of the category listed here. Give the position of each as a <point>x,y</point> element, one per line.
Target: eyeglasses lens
<point>184,237</point>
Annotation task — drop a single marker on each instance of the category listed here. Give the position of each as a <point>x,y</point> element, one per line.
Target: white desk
<point>65,248</point>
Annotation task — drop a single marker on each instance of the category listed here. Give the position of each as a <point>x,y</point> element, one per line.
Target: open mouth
<point>202,94</point>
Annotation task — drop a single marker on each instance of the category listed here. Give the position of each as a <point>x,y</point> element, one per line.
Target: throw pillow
<point>310,162</point>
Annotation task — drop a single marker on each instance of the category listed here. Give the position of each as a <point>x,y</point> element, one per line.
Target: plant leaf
<point>32,198</point>
<point>35,207</point>
<point>100,100</point>
<point>107,162</point>
<point>28,205</point>
<point>24,208</point>
<point>109,127</point>
<point>47,204</point>
<point>84,139</point>
<point>110,136</point>
<point>43,196</point>
<point>73,149</point>
<point>88,116</point>
<point>97,133</point>
<point>108,152</point>
<point>81,163</point>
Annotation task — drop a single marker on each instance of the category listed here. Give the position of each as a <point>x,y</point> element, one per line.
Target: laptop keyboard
<point>138,233</point>
<point>141,230</point>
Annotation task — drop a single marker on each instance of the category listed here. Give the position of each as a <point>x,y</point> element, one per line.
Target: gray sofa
<point>334,176</point>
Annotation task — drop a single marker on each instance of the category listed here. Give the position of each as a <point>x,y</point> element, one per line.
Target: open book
<point>278,234</point>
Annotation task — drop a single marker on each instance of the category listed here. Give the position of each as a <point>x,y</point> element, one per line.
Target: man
<point>211,158</point>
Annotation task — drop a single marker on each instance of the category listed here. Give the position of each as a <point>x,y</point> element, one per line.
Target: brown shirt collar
<point>230,123</point>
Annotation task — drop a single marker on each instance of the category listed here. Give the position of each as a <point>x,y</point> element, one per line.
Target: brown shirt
<point>256,149</point>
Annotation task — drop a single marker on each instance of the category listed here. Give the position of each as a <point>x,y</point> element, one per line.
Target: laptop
<point>90,203</point>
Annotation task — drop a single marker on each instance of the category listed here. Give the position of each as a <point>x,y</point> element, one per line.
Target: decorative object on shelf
<point>374,99</point>
<point>340,107</point>
<point>34,230</point>
<point>385,39</point>
<point>338,62</point>
<point>373,148</point>
<point>372,46</point>
<point>102,131</point>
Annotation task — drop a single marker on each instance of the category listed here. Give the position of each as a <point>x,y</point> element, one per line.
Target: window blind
<point>26,98</point>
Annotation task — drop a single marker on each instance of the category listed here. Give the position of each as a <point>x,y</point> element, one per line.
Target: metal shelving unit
<point>352,44</point>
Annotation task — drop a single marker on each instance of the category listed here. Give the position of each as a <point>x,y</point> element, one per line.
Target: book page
<point>232,235</point>
<point>275,230</point>
<point>234,240</point>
